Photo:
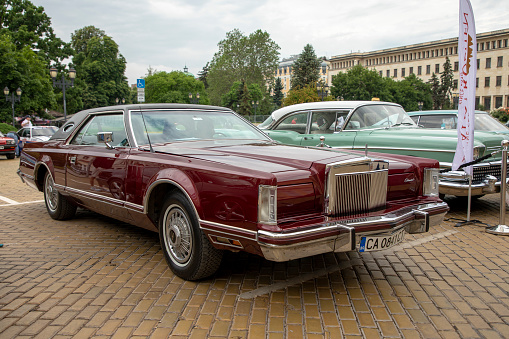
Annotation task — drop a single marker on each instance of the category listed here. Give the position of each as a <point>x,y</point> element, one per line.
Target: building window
<point>488,62</point>
<point>428,69</point>
<point>411,70</point>
<point>487,82</point>
<point>499,82</point>
<point>487,103</point>
<point>478,63</point>
<point>419,70</point>
<point>402,72</point>
<point>437,68</point>
<point>456,66</point>
<point>388,73</point>
<point>455,84</point>
<point>381,73</point>
<point>498,102</point>
<point>500,61</point>
<point>482,46</point>
<point>476,82</point>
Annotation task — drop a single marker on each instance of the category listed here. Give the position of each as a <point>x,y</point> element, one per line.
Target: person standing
<point>27,123</point>
<point>14,136</point>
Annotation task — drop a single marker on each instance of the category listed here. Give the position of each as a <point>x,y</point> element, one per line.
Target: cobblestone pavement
<point>95,277</point>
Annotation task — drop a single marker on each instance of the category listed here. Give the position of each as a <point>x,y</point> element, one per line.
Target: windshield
<point>266,123</point>
<point>175,126</point>
<point>39,132</point>
<point>485,122</point>
<point>379,116</point>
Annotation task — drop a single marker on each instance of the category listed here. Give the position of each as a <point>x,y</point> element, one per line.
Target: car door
<point>96,172</point>
<point>291,129</point>
<point>331,125</point>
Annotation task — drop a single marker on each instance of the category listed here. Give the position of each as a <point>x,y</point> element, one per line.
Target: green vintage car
<point>448,119</point>
<point>375,126</point>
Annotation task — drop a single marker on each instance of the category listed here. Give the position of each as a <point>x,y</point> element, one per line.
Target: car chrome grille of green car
<point>356,192</point>
<point>481,171</point>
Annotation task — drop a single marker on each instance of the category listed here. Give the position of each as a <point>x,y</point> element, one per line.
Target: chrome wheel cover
<point>50,193</point>
<point>178,238</point>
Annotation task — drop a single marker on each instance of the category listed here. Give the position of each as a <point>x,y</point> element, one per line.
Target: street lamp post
<point>322,89</point>
<point>119,101</point>
<point>255,106</point>
<point>63,84</point>
<point>455,100</point>
<point>194,99</point>
<point>13,98</point>
<point>420,104</point>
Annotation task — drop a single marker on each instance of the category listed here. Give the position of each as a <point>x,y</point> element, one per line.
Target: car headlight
<point>267,204</point>
<point>478,152</point>
<point>10,142</point>
<point>431,182</point>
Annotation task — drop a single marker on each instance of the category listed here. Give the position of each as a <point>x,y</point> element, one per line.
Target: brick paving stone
<point>95,277</point>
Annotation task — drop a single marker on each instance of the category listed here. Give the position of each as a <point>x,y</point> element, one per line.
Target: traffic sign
<point>140,83</point>
<point>141,98</point>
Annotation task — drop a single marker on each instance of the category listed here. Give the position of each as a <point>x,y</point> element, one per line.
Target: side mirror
<point>106,138</point>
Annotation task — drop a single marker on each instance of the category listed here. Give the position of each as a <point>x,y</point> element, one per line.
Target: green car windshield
<point>379,116</point>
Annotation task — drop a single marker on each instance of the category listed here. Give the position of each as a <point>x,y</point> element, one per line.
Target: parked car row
<point>11,144</point>
<point>385,127</point>
<point>208,181</point>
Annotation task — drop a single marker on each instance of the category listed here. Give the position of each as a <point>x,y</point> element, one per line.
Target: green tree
<point>436,91</point>
<point>23,68</point>
<point>306,69</point>
<point>409,92</point>
<point>99,67</point>
<point>300,95</point>
<point>202,75</point>
<point>278,93</point>
<point>446,83</point>
<point>173,87</point>
<point>252,59</point>
<point>29,26</point>
<point>359,83</point>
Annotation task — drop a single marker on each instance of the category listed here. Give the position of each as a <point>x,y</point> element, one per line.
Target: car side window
<point>438,121</point>
<point>294,122</point>
<point>114,123</point>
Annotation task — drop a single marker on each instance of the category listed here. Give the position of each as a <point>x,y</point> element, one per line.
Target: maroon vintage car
<point>208,181</point>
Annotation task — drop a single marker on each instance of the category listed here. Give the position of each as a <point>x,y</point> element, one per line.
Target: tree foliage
<point>29,26</point>
<point>252,59</point>
<point>300,95</point>
<point>24,69</point>
<point>99,67</point>
<point>306,69</point>
<point>278,93</point>
<point>202,75</point>
<point>173,87</point>
<point>359,83</point>
<point>241,96</point>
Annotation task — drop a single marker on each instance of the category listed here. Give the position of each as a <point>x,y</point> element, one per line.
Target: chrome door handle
<point>72,160</point>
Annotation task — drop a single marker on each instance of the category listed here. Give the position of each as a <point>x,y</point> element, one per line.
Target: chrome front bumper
<point>456,183</point>
<point>413,219</point>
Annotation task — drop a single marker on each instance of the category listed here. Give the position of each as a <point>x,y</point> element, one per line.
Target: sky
<point>167,35</point>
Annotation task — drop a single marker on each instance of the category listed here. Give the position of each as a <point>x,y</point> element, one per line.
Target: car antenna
<point>146,131</point>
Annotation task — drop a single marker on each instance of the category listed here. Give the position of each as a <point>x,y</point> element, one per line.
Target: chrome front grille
<point>481,171</point>
<point>356,188</point>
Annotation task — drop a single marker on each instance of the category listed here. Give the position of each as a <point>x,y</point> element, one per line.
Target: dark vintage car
<point>208,181</point>
<point>7,146</point>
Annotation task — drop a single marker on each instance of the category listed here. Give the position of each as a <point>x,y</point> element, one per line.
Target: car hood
<point>272,157</point>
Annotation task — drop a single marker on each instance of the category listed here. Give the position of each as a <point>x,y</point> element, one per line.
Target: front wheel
<point>187,250</point>
<point>58,206</point>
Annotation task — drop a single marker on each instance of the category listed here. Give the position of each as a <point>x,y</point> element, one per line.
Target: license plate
<point>378,243</point>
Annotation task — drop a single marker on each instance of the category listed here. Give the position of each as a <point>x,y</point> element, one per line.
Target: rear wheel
<point>58,206</point>
<point>187,250</point>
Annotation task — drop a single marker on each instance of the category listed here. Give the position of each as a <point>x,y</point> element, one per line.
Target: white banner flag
<point>467,53</point>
